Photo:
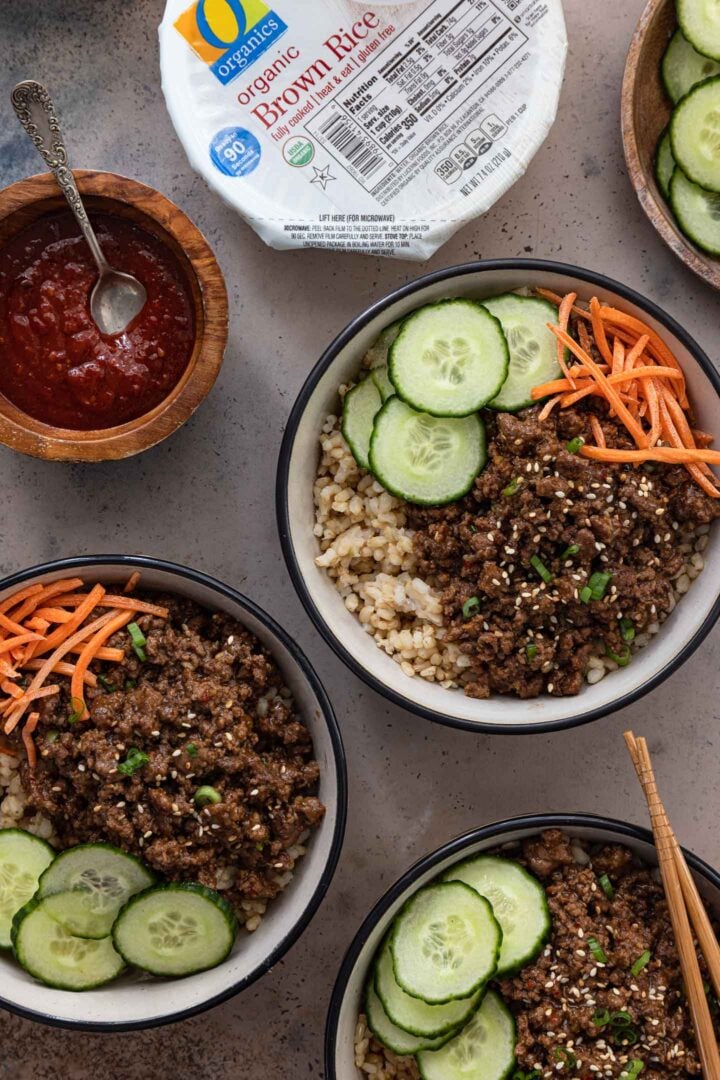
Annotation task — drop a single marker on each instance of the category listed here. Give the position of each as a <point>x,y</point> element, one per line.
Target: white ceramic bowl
<point>134,1002</point>
<point>346,1001</point>
<point>683,631</point>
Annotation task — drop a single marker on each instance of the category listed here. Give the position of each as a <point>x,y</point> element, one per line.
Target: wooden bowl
<point>646,110</point>
<point>23,203</point>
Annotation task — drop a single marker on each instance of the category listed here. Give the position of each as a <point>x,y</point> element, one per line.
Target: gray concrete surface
<point>206,498</point>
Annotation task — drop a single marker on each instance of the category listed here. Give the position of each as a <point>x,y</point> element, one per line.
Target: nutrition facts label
<point>405,96</point>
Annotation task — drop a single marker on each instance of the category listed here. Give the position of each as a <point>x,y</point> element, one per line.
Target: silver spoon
<point>116,298</point>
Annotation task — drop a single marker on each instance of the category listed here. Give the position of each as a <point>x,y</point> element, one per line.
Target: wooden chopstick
<point>667,847</point>
<point>709,945</point>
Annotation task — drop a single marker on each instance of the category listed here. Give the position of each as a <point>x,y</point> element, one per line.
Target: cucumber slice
<point>533,349</point>
<point>23,857</point>
<point>518,902</point>
<point>449,359</point>
<point>82,914</point>
<point>445,943</point>
<point>695,134</point>
<point>413,1015</point>
<point>47,952</point>
<point>483,1050</point>
<point>104,878</point>
<point>664,163</point>
<point>426,459</point>
<point>684,67</point>
<point>700,23</point>
<point>392,1036</point>
<point>176,929</point>
<point>377,354</point>
<point>697,212</point>
<point>360,407</point>
<point>380,377</point>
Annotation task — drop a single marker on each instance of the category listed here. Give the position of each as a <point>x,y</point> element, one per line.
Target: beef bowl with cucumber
<point>172,792</point>
<point>531,948</point>
<point>495,490</point>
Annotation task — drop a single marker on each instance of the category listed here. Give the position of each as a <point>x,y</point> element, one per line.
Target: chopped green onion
<point>597,950</point>
<point>531,651</point>
<point>191,749</point>
<point>642,962</point>
<point>135,760</point>
<point>78,710</point>
<point>106,684</point>
<point>606,886</point>
<point>130,684</point>
<point>472,528</point>
<point>513,486</point>
<point>625,1036</point>
<point>586,594</point>
<point>541,569</point>
<point>565,1056</point>
<point>575,445</point>
<point>206,795</point>
<point>632,1069</point>
<point>470,607</point>
<point>601,1018</point>
<point>627,630</point>
<point>568,553</point>
<point>138,641</point>
<point>52,736</point>
<point>623,658</point>
<point>259,847</point>
<point>598,583</point>
<point>621,1018</point>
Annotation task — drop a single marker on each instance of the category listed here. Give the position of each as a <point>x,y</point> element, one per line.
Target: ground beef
<point>535,498</point>
<point>557,999</point>
<point>207,707</point>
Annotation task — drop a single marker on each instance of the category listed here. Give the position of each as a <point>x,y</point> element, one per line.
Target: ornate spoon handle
<point>36,112</point>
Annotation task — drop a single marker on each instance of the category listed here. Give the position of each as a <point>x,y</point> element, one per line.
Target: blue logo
<point>235,151</point>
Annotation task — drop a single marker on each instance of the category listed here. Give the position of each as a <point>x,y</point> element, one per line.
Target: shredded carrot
<point>669,454</point>
<point>649,390</point>
<point>111,600</point>
<point>16,598</point>
<point>65,630</point>
<point>599,332</point>
<point>115,656</point>
<point>46,592</point>
<point>621,318</point>
<point>701,473</point>
<point>54,614</point>
<point>27,738</point>
<point>597,431</point>
<point>566,306</point>
<point>132,582</point>
<point>62,668</point>
<point>9,624</point>
<point>19,707</point>
<point>612,395</point>
<point>80,635</point>
<point>549,406</point>
<point>702,438</point>
<point>41,625</point>
<point>556,299</point>
<point>88,654</point>
<point>558,385</point>
<point>11,688</point>
<point>618,356</point>
<point>10,644</point>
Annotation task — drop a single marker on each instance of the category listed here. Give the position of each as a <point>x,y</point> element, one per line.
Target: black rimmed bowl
<point>134,1002</point>
<point>678,637</point>
<point>347,996</point>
